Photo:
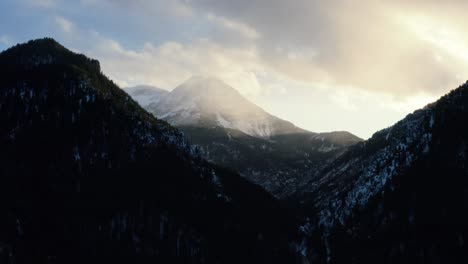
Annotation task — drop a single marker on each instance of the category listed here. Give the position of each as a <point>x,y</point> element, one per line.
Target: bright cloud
<point>362,45</point>
<point>64,24</point>
<point>5,40</point>
<point>239,28</point>
<point>170,63</point>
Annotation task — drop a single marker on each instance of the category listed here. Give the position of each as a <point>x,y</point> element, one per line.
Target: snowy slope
<point>208,101</point>
<point>370,166</point>
<point>145,94</point>
<point>399,197</point>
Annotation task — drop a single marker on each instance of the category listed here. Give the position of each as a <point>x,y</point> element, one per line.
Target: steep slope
<point>401,196</point>
<point>87,176</point>
<point>145,94</point>
<point>236,133</point>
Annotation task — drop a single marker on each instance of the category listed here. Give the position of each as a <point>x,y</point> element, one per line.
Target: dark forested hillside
<point>281,164</point>
<point>88,176</point>
<point>400,197</point>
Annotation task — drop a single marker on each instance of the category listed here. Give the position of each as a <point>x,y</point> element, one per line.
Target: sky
<point>358,66</point>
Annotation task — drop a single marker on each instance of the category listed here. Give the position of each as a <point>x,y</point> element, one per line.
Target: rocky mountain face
<point>88,176</point>
<point>236,133</point>
<point>399,197</point>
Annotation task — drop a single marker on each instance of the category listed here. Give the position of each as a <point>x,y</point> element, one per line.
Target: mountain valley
<point>91,173</point>
<point>233,132</point>
<point>89,176</point>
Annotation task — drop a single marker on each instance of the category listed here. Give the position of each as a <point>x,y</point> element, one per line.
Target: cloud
<point>365,64</point>
<point>236,27</point>
<point>5,40</point>
<point>169,64</point>
<point>64,24</point>
<point>180,9</point>
<point>363,45</point>
<point>399,47</point>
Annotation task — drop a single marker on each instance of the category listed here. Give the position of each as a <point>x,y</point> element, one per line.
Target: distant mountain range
<point>236,133</point>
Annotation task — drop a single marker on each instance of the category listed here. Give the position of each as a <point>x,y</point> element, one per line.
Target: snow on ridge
<point>145,95</point>
<point>202,99</point>
<point>373,173</point>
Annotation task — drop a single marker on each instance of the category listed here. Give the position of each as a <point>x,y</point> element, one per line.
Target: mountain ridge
<point>233,132</point>
<point>89,176</point>
<point>400,196</point>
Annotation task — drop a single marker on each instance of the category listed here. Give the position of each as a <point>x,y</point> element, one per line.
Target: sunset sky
<point>358,66</point>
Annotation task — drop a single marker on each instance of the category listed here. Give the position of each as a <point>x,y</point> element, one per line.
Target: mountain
<point>88,176</point>
<point>281,164</point>
<point>145,94</point>
<point>233,132</point>
<point>203,101</point>
<point>399,197</point>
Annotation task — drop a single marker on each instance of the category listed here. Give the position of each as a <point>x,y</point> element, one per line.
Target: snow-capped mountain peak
<point>206,86</point>
<point>207,101</point>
